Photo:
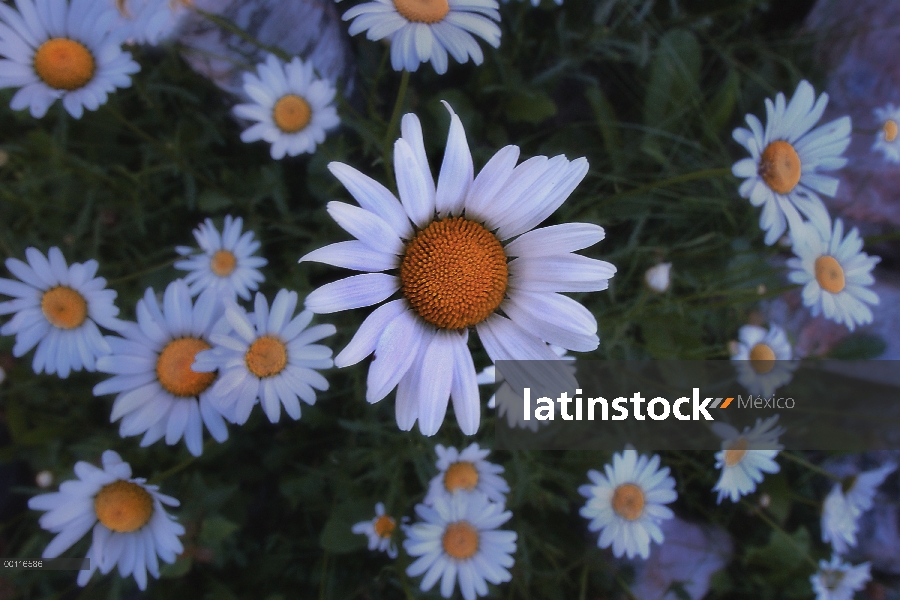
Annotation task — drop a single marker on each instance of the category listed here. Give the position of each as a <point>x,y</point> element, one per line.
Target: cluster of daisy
<point>458,538</point>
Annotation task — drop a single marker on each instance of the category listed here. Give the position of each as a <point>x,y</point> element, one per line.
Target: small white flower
<point>783,172</point>
<point>835,273</point>
<point>380,531</point>
<point>149,21</point>
<point>291,106</point>
<point>657,277</point>
<point>887,140</point>
<point>131,527</point>
<point>466,471</point>
<point>745,456</point>
<point>838,580</point>
<point>839,524</point>
<point>459,540</point>
<point>44,479</point>
<point>763,359</point>
<point>58,308</point>
<point>427,30</point>
<point>64,50</point>
<point>226,264</point>
<point>627,504</point>
<point>272,363</point>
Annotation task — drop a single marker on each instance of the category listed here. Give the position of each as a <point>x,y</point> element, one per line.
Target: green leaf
<point>530,107</point>
<point>859,346</point>
<point>216,529</point>
<point>674,78</point>
<point>336,535</point>
<point>177,569</point>
<point>212,201</point>
<point>608,124</point>
<point>721,105</point>
<point>783,554</point>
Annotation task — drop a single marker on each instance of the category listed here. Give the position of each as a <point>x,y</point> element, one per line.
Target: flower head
<point>131,528</point>
<point>380,531</point>
<point>837,580</point>
<point>745,456</point>
<point>627,504</point>
<point>839,521</point>
<point>763,359</point>
<point>61,50</point>
<point>57,308</point>
<point>887,139</point>
<point>783,173</point>
<point>449,252</point>
<point>657,277</point>
<point>466,471</point>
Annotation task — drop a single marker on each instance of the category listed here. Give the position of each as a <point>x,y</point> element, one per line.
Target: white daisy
<point>466,471</point>
<point>626,505</point>
<point>783,172</point>
<point>158,392</point>
<point>763,359</point>
<point>887,140</point>
<point>838,580</point>
<point>273,362</point>
<point>380,531</point>
<point>444,244</point>
<point>58,308</point>
<point>226,263</point>
<point>131,527</point>
<point>61,50</point>
<point>292,107</point>
<point>835,273</point>
<point>657,277</point>
<point>745,456</point>
<point>862,486</point>
<point>149,21</point>
<point>426,30</point>
<point>839,524</point>
<point>459,540</point>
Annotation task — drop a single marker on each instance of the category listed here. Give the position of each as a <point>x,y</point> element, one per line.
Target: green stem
<point>805,463</point>
<point>139,274</point>
<point>703,174</point>
<point>392,124</point>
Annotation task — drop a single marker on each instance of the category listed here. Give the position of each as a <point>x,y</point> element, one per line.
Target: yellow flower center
<point>829,274</point>
<point>64,64</point>
<point>384,526</point>
<point>779,166</point>
<point>762,358</point>
<point>223,263</point>
<point>266,357</point>
<point>422,11</point>
<point>735,452</point>
<point>454,273</point>
<point>123,506</point>
<point>173,368</point>
<point>291,113</point>
<point>63,307</point>
<point>460,540</point>
<point>890,130</point>
<point>628,501</point>
<point>460,476</point>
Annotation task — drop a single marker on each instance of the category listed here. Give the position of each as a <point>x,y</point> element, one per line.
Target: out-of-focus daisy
<point>159,394</point>
<point>466,471</point>
<point>657,277</point>
<point>627,504</point>
<point>745,456</point>
<point>149,21</point>
<point>763,359</point>
<point>839,524</point>
<point>291,106</point>
<point>380,531</point>
<point>783,172</point>
<point>427,30</point>
<point>272,362</point>
<point>58,308</point>
<point>444,244</point>
<point>835,273</point>
<point>226,263</point>
<point>459,539</point>
<point>887,140</point>
<point>837,580</point>
<point>860,489</point>
<point>131,527</point>
<point>61,50</point>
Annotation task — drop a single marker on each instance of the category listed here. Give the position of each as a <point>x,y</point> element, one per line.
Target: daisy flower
<point>763,359</point>
<point>427,30</point>
<point>57,308</point>
<point>466,471</point>
<point>838,580</point>
<point>226,263</point>
<point>131,528</point>
<point>862,486</point>
<point>783,172</point>
<point>839,524</point>
<point>272,362</point>
<point>459,540</point>
<point>380,531</point>
<point>291,106</point>
<point>445,247</point>
<point>149,21</point>
<point>835,273</point>
<point>61,50</point>
<point>887,140</point>
<point>627,504</point>
<point>159,394</point>
<point>745,456</point>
